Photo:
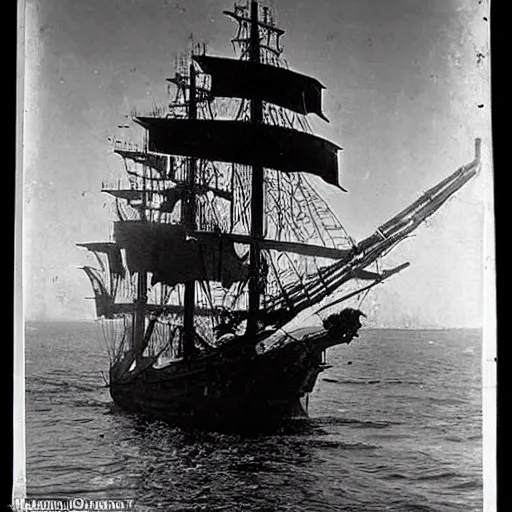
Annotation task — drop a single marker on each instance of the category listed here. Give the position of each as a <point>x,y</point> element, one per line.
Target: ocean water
<point>395,425</point>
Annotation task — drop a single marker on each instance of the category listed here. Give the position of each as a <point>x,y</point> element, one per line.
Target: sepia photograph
<point>254,256</point>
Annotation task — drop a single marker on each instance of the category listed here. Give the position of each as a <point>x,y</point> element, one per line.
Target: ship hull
<point>221,392</point>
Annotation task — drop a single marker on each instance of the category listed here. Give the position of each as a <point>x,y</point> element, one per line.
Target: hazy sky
<point>407,93</point>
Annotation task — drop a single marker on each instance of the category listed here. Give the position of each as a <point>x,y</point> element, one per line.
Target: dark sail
<point>243,79</point>
<point>275,147</point>
<point>174,257</point>
<point>113,253</point>
<point>102,298</point>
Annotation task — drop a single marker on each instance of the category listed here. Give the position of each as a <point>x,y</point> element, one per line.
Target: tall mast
<point>139,317</point>
<point>189,221</point>
<point>256,187</point>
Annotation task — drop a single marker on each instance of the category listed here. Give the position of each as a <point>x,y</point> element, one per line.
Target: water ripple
<point>399,430</point>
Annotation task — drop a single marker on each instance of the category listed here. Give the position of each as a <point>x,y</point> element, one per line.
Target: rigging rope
<point>363,298</point>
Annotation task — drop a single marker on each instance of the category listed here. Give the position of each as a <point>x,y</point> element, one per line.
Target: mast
<point>256,187</point>
<point>139,314</point>
<point>189,222</point>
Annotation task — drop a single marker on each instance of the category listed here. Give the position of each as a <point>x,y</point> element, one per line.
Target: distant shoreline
<point>86,321</point>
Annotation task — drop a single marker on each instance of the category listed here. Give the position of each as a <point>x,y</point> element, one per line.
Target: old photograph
<point>254,256</point>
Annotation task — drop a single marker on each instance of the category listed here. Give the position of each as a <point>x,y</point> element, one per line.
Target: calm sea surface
<point>396,426</point>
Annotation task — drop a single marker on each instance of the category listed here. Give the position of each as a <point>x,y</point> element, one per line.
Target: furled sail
<point>159,163</point>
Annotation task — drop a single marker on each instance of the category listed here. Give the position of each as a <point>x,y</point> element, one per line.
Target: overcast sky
<point>407,93</point>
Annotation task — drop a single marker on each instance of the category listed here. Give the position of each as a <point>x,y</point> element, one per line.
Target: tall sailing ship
<point>222,242</point>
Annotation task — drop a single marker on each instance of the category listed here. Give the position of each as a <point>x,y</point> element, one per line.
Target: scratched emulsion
<point>396,426</point>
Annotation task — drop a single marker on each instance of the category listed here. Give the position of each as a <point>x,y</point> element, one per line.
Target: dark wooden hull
<point>224,390</point>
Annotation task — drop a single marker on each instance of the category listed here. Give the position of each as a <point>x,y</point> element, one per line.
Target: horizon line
<point>364,328</point>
